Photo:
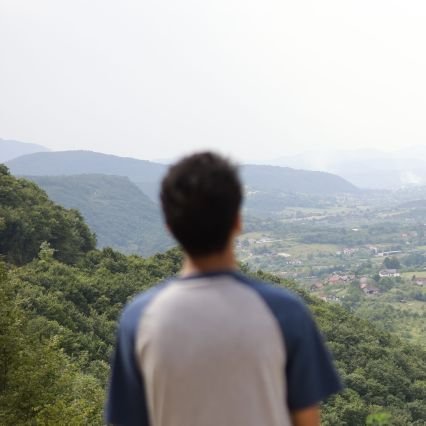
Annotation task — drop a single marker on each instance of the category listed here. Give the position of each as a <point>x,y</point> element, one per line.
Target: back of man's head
<point>201,197</point>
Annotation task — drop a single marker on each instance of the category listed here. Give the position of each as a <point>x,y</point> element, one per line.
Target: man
<point>213,347</point>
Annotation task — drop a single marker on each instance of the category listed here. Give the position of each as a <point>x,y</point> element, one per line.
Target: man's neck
<point>222,261</point>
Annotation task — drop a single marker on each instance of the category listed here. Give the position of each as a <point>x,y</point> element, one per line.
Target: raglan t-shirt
<point>217,349</point>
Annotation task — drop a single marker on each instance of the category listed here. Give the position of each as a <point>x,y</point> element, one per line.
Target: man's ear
<point>167,226</point>
<point>238,226</point>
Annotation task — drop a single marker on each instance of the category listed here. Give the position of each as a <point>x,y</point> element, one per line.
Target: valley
<point>364,251</point>
<point>75,247</point>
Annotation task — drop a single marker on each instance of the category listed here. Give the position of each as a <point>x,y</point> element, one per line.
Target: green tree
<point>379,419</point>
<point>28,217</point>
<point>38,382</point>
<point>391,263</point>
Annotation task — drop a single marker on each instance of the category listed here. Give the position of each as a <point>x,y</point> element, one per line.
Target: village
<point>319,268</point>
<point>367,254</point>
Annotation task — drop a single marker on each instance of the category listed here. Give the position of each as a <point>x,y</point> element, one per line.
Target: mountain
<point>147,175</point>
<point>120,214</point>
<point>10,149</point>
<point>288,180</point>
<point>366,168</point>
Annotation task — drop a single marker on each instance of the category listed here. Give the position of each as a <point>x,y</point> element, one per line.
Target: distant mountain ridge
<point>366,168</point>
<point>10,149</point>
<point>286,179</point>
<point>147,175</point>
<point>120,214</point>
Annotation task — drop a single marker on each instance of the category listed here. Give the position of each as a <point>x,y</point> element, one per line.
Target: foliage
<point>391,263</point>
<point>28,217</point>
<point>120,214</point>
<point>77,307</point>
<point>39,383</point>
<point>414,259</point>
<point>378,419</point>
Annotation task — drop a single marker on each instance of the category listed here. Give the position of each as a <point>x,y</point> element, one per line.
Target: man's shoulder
<point>276,297</point>
<point>133,310</point>
<point>289,310</point>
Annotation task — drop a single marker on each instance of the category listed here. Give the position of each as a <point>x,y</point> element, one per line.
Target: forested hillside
<point>57,323</point>
<point>119,213</point>
<point>28,218</point>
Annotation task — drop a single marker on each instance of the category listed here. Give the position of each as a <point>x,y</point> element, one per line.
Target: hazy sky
<point>256,79</point>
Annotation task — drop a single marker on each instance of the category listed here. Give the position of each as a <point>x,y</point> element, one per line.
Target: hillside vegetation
<point>58,322</point>
<point>28,218</point>
<point>120,214</point>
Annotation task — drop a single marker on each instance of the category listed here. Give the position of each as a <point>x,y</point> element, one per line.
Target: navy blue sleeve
<point>311,376</point>
<point>310,373</point>
<point>126,403</point>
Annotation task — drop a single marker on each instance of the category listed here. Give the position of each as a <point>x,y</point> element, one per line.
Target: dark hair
<point>201,196</point>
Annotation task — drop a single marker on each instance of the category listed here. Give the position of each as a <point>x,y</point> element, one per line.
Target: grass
<point>418,274</point>
<point>250,235</point>
<point>303,250</point>
<point>410,306</point>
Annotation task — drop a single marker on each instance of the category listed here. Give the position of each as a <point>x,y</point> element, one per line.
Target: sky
<point>256,80</point>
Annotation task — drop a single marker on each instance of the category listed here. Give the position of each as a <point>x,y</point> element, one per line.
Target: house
<point>388,253</point>
<point>389,273</point>
<point>350,251</point>
<point>373,249</point>
<point>317,286</point>
<point>332,298</point>
<point>347,278</point>
<point>339,279</point>
<point>294,262</point>
<point>368,288</point>
<point>333,279</point>
<point>363,280</point>
<point>283,254</point>
<point>371,290</point>
<point>419,281</point>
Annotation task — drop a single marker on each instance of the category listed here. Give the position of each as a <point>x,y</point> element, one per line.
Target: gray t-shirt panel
<point>211,353</point>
